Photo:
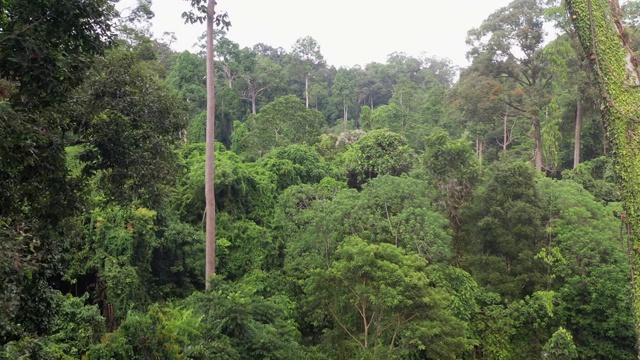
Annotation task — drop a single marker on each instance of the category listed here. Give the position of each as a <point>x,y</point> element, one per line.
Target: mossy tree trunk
<point>599,27</point>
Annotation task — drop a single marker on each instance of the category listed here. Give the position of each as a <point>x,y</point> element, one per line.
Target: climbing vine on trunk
<point>599,27</point>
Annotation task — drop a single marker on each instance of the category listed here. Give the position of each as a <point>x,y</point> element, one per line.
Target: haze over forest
<point>371,30</point>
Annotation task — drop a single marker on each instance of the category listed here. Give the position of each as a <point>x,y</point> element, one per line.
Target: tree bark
<point>602,36</point>
<point>344,111</point>
<point>578,133</point>
<point>253,104</point>
<point>505,136</point>
<point>210,252</point>
<point>229,75</point>
<point>230,82</point>
<point>538,138</point>
<point>306,89</point>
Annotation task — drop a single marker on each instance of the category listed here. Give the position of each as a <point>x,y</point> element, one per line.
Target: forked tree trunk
<point>599,27</point>
<point>578,133</point>
<point>209,175</point>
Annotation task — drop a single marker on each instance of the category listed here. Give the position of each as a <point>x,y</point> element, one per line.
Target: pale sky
<point>349,32</point>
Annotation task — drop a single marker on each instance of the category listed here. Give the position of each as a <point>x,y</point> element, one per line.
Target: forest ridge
<point>399,210</point>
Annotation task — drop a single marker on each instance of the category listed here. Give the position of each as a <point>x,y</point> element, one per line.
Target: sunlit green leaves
<point>380,301</point>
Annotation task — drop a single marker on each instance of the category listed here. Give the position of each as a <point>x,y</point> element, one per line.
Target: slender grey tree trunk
<point>344,111</point>
<point>210,252</point>
<point>505,135</point>
<point>578,133</point>
<point>306,89</point>
<point>253,104</point>
<point>538,138</point>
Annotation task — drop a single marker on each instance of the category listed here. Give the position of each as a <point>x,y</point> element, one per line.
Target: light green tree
<point>372,319</point>
<point>560,346</point>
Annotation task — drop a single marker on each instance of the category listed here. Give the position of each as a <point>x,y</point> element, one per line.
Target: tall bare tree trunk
<point>306,89</point>
<point>344,112</point>
<point>209,175</point>
<point>253,104</point>
<point>605,145</point>
<point>505,135</point>
<point>578,133</point>
<point>538,138</point>
<point>601,33</point>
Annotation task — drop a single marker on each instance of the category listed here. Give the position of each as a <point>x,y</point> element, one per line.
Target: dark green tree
<point>379,152</point>
<point>46,50</point>
<point>282,122</point>
<point>295,164</point>
<point>504,231</point>
<point>128,119</point>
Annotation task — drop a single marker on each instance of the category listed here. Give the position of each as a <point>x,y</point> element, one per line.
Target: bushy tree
<point>282,122</point>
<point>295,164</point>
<point>370,318</point>
<point>504,231</point>
<point>128,119</point>
<point>239,322</point>
<point>560,346</point>
<point>452,167</point>
<point>589,269</point>
<point>46,50</point>
<point>379,152</point>
<point>244,190</point>
<point>161,333</point>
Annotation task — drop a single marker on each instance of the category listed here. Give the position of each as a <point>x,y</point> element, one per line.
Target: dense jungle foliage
<point>405,210</point>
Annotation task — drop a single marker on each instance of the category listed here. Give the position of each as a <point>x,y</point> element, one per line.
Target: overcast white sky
<point>349,32</point>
